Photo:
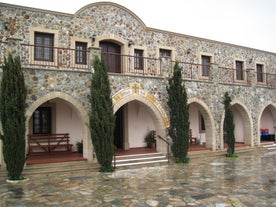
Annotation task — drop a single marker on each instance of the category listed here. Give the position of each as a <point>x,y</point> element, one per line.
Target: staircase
<point>269,146</point>
<point>122,162</point>
<point>140,160</point>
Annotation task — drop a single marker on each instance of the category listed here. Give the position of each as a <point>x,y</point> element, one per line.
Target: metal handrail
<point>168,146</point>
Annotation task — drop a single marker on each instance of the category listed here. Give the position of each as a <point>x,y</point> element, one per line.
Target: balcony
<point>66,59</point>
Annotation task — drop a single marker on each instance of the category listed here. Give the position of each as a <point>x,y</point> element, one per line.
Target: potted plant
<point>80,146</point>
<point>150,139</point>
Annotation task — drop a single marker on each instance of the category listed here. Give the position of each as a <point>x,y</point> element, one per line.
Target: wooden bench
<point>49,143</point>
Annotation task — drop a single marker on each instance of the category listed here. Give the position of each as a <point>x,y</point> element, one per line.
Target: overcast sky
<point>250,23</point>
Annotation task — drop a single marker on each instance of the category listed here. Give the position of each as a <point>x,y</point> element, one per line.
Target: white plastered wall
<point>139,124</point>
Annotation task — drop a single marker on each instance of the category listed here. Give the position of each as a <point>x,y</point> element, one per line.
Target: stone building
<point>56,51</point>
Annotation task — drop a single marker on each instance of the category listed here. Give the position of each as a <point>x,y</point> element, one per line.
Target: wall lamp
<point>189,51</point>
<point>251,60</point>
<point>93,38</point>
<point>130,42</point>
<point>6,25</point>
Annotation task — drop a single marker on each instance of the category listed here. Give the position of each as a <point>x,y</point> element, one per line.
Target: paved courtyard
<point>249,180</point>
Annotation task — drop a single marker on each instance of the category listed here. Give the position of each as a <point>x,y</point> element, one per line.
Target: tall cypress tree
<point>102,119</point>
<point>12,111</point>
<point>179,116</point>
<point>229,125</point>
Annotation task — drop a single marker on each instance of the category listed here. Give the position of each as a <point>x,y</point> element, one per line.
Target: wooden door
<point>112,56</point>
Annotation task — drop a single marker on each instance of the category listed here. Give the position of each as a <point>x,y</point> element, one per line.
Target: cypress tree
<point>179,116</point>
<point>229,125</point>
<point>102,119</point>
<point>12,111</point>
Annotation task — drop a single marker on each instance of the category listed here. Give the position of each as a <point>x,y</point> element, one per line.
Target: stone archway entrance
<point>134,122</point>
<point>243,124</point>
<point>201,123</point>
<point>67,116</point>
<point>267,124</point>
<point>141,113</point>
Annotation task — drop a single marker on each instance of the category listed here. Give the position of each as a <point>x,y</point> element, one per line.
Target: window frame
<point>40,111</point>
<point>239,71</point>
<point>32,42</point>
<point>81,54</point>
<point>43,51</point>
<point>162,50</point>
<point>260,76</point>
<point>205,68</point>
<point>139,59</point>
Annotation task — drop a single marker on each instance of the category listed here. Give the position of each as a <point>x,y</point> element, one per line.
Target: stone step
<point>269,145</point>
<point>133,156</point>
<point>209,153</point>
<point>140,160</point>
<point>125,166</point>
<point>265,144</point>
<point>271,148</point>
<point>61,167</point>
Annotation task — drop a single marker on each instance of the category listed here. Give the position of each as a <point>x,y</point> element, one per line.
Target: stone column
<point>166,67</point>
<point>93,51</point>
<point>214,73</point>
<point>251,77</point>
<point>216,107</point>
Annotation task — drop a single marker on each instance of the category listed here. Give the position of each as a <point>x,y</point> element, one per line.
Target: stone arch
<point>114,5</point>
<point>272,107</point>
<point>209,121</point>
<point>87,145</point>
<point>152,105</point>
<point>247,120</point>
<point>111,37</point>
<point>125,49</point>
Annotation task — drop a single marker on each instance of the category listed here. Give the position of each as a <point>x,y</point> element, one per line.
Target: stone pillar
<point>216,107</point>
<point>166,67</point>
<point>93,51</point>
<point>251,77</point>
<point>214,73</point>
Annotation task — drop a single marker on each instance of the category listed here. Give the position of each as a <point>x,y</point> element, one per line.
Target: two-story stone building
<point>56,51</point>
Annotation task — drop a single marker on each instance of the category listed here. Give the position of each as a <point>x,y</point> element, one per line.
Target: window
<point>164,53</point>
<point>260,73</point>
<point>239,70</point>
<point>42,120</point>
<point>205,61</point>
<point>138,59</point>
<point>81,53</point>
<point>44,46</point>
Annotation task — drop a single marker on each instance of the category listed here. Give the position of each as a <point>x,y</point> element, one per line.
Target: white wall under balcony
<point>194,115</point>
<point>267,121</point>
<point>68,121</point>
<point>139,124</point>
<point>239,125</point>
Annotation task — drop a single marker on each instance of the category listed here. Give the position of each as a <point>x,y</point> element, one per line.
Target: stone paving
<point>249,180</point>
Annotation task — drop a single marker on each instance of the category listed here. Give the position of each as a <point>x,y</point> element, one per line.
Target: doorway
<point>119,129</point>
<point>112,56</point>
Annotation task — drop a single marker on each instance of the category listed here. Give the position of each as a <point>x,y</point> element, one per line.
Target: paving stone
<point>250,181</point>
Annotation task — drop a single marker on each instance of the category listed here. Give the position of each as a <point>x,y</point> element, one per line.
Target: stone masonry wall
<point>118,23</point>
